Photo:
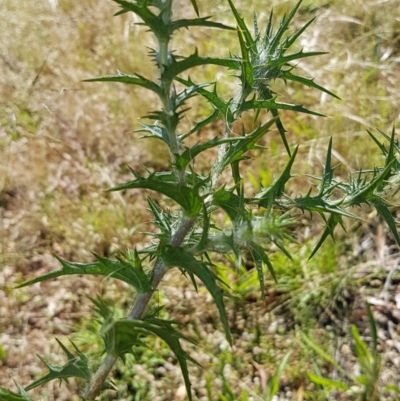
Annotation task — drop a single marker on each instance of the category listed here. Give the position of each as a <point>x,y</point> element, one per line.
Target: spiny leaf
<point>156,131</point>
<point>260,256</point>
<point>384,212</point>
<point>291,39</point>
<point>194,4</point>
<point>7,395</point>
<point>366,192</point>
<point>328,170</point>
<point>242,26</point>
<point>201,124</point>
<point>265,94</point>
<point>186,196</point>
<point>136,79</point>
<point>123,329</point>
<point>216,101</point>
<point>188,93</point>
<point>185,23</point>
<point>154,22</point>
<point>77,366</point>
<point>247,68</point>
<point>255,104</point>
<point>287,75</point>
<point>177,257</point>
<point>227,201</point>
<point>177,67</point>
<point>120,270</point>
<point>243,144</point>
<point>283,27</point>
<point>321,205</point>
<point>189,154</point>
<point>333,221</point>
<point>266,197</point>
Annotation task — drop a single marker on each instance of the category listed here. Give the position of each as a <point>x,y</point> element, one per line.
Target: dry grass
<point>62,142</point>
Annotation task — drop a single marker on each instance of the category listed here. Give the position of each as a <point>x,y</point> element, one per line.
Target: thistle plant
<point>187,237</point>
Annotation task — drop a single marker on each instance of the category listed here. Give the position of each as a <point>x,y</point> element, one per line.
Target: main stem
<point>98,379</point>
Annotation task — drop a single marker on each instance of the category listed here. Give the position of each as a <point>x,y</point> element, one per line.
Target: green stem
<point>94,387</point>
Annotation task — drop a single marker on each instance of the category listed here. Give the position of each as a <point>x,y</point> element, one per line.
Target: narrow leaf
<point>120,270</point>
<point>136,79</point>
<point>186,196</point>
<point>384,212</point>
<point>243,144</point>
<point>77,366</point>
<point>122,330</point>
<point>7,395</point>
<point>287,75</point>
<point>324,382</point>
<point>333,221</point>
<point>154,22</point>
<point>372,326</point>
<point>273,105</point>
<point>178,257</point>
<point>204,21</point>
<point>242,26</point>
<point>227,201</point>
<point>268,195</point>
<point>177,67</point>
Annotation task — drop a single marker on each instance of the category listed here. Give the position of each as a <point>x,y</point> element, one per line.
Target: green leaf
<point>174,256</point>
<point>204,21</point>
<point>372,326</point>
<point>364,357</point>
<point>136,79</point>
<point>247,68</point>
<point>122,331</point>
<point>77,366</point>
<point>212,97</point>
<point>260,256</point>
<point>255,104</point>
<point>265,94</point>
<point>333,221</point>
<point>154,22</point>
<point>7,395</point>
<point>273,42</point>
<point>243,144</point>
<point>273,384</point>
<point>177,67</point>
<point>287,75</point>
<point>189,154</point>
<point>324,382</point>
<point>242,26</point>
<point>186,196</point>
<point>384,212</point>
<point>284,60</point>
<point>156,131</point>
<point>194,4</point>
<point>188,93</point>
<point>268,195</point>
<point>132,274</point>
<point>201,124</point>
<point>227,201</point>
<point>308,343</point>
